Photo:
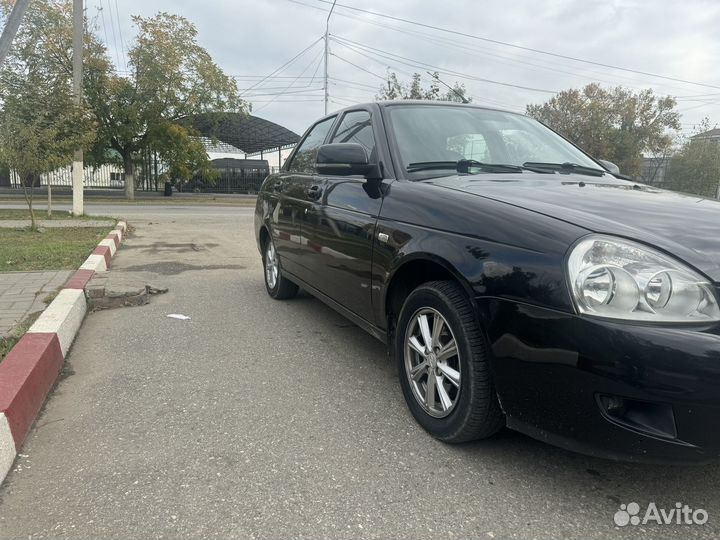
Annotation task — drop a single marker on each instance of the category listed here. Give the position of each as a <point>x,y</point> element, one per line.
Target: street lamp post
<point>11,27</point>
<point>327,54</point>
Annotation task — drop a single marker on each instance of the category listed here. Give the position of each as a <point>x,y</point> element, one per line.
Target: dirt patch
<point>158,247</point>
<point>128,298</point>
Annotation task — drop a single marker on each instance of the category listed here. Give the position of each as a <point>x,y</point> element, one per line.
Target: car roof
<point>434,103</point>
<point>416,102</point>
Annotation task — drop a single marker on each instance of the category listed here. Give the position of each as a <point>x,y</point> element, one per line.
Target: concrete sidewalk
<point>23,293</point>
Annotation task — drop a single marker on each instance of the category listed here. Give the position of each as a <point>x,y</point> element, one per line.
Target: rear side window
<point>356,128</point>
<point>304,159</point>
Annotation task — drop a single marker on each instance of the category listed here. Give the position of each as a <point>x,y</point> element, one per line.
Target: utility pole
<point>11,27</point>
<point>78,166</point>
<point>327,54</point>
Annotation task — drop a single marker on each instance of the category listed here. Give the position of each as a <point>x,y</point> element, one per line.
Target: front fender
<point>484,268</point>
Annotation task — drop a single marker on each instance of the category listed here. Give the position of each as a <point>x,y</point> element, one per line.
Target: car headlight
<point>619,279</point>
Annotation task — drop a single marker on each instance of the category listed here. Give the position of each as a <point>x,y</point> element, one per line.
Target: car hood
<point>685,226</point>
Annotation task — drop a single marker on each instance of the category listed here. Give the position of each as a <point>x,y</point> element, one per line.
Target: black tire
<point>283,288</point>
<point>475,412</point>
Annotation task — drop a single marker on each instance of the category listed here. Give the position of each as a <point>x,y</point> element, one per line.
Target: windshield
<point>451,133</point>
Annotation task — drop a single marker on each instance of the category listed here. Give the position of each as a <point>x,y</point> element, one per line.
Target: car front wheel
<point>443,364</point>
<point>277,285</point>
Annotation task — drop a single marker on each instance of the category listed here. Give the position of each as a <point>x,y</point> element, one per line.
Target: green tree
<point>696,167</point>
<point>40,126</point>
<point>395,89</point>
<point>172,78</point>
<point>616,124</point>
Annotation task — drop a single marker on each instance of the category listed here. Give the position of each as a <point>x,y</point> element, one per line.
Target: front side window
<point>304,159</point>
<point>356,127</point>
<point>451,133</point>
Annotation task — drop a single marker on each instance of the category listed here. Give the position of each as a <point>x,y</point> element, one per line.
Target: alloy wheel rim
<point>271,265</point>
<point>432,362</point>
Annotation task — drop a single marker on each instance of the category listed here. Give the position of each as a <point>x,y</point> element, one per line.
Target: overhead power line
<point>285,65</point>
<point>452,89</point>
<point>314,75</point>
<point>423,65</point>
<point>519,47</point>
<point>359,67</point>
<point>102,18</point>
<point>264,89</point>
<point>299,92</point>
<point>369,86</point>
<point>343,102</point>
<point>293,100</point>
<point>685,109</point>
<point>483,99</point>
<point>546,65</point>
<point>631,80</point>
<point>317,59</point>
<point>112,31</point>
<point>122,41</point>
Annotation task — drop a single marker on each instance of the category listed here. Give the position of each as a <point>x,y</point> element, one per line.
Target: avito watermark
<point>681,514</point>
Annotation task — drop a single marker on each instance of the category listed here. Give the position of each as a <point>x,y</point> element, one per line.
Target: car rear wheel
<point>277,285</point>
<point>443,364</point>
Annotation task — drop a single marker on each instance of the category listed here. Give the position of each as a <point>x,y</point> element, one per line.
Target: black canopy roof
<point>248,133</point>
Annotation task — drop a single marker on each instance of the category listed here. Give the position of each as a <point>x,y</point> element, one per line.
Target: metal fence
<point>149,177</point>
<point>149,171</point>
<point>227,182</point>
<point>105,177</point>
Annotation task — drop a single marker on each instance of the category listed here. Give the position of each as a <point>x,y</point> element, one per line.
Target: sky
<point>251,39</point>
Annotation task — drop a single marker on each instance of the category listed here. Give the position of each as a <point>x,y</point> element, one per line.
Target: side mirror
<point>343,159</point>
<point>610,166</point>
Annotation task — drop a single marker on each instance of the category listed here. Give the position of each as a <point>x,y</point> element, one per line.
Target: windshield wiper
<point>462,166</point>
<point>563,168</point>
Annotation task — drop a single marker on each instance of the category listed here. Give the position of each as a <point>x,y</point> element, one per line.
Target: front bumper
<point>555,374</point>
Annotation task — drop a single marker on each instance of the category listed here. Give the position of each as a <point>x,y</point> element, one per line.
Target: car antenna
<point>453,90</point>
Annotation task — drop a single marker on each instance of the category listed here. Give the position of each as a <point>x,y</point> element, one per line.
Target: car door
<point>341,224</point>
<point>291,188</point>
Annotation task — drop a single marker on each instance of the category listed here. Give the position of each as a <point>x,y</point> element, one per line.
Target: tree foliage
<point>696,166</point>
<point>616,124</point>
<point>172,78</point>
<point>396,89</point>
<point>40,126</point>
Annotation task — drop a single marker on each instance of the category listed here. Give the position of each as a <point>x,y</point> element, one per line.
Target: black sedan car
<point>517,281</point>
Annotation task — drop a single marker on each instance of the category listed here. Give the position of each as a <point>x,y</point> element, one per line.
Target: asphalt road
<point>266,419</point>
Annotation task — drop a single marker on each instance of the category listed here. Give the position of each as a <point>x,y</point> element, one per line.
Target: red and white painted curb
<point>32,366</point>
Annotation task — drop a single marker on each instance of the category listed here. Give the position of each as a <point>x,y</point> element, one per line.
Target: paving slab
<point>24,293</point>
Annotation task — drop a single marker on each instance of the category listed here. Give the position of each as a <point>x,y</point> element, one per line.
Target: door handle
<point>314,192</point>
<point>278,185</point>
